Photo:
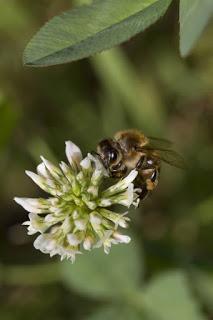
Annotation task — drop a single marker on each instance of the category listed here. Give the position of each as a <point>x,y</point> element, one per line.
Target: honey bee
<point>131,149</point>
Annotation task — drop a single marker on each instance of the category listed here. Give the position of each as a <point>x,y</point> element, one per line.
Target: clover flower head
<point>79,213</point>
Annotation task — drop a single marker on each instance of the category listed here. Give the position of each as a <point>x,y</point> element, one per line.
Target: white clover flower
<point>79,212</point>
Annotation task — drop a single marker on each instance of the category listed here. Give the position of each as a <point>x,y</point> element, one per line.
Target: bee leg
<point>150,185</point>
<point>140,184</point>
<point>141,162</point>
<point>152,182</point>
<point>147,187</point>
<point>155,176</point>
<point>144,193</point>
<point>148,174</point>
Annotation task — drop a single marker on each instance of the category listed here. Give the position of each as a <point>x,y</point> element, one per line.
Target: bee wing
<point>173,158</point>
<point>156,143</point>
<point>169,156</point>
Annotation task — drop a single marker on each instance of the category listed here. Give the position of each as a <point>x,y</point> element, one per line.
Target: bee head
<point>111,155</point>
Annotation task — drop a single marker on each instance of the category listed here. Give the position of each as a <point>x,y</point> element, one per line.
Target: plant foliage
<point>89,29</point>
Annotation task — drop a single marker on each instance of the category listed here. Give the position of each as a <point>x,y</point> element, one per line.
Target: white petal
<point>49,218</point>
<point>35,177</point>
<point>81,224</point>
<point>26,223</point>
<point>80,178</point>
<point>67,171</point>
<point>86,163</point>
<point>106,236</point>
<point>44,244</point>
<point>73,239</point>
<point>53,201</point>
<point>68,254</point>
<point>44,183</point>
<point>42,170</point>
<point>73,153</point>
<point>96,177</point>
<point>107,247</point>
<point>53,219</point>
<point>130,178</point>
<point>136,202</point>
<point>92,205</point>
<point>125,198</point>
<point>66,226</point>
<point>31,205</point>
<point>55,210</point>
<point>121,185</point>
<point>93,191</point>
<point>128,196</point>
<point>95,218</point>
<point>122,223</point>
<point>88,242</point>
<point>75,214</point>
<point>105,203</point>
<point>64,167</point>
<point>97,162</point>
<point>31,230</point>
<point>121,238</point>
<point>32,227</point>
<point>55,172</point>
<point>37,223</point>
<point>117,218</point>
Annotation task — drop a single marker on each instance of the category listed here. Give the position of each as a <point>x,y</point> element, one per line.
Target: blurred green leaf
<point>82,2</point>
<point>38,147</point>
<point>99,275</point>
<point>168,296</point>
<point>204,212</point>
<point>116,313</point>
<point>8,121</point>
<point>89,29</point>
<point>194,15</point>
<point>203,283</point>
<point>13,17</point>
<point>32,275</point>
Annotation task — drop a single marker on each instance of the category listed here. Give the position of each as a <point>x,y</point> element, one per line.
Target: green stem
<point>139,96</point>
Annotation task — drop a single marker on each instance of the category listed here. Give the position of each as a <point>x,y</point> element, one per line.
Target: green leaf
<point>99,275</point>
<point>89,29</point>
<point>194,16</point>
<point>116,313</point>
<point>168,296</point>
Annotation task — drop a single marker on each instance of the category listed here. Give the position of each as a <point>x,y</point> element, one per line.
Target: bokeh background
<point>143,84</point>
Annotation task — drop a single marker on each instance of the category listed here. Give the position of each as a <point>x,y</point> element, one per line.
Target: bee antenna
<point>94,153</point>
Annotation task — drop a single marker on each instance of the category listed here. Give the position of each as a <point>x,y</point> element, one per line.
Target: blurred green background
<point>166,273</point>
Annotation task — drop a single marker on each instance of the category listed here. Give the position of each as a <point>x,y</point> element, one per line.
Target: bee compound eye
<point>113,155</point>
